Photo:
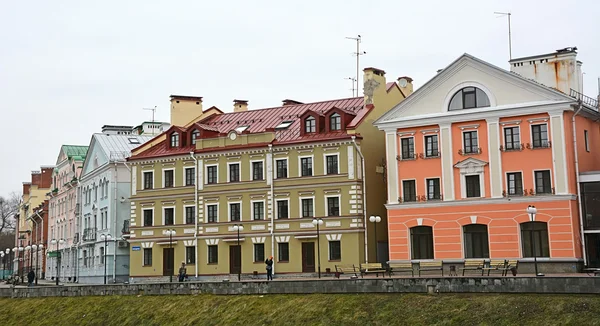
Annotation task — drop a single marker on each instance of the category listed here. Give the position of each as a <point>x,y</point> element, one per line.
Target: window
<point>587,141</point>
<point>307,207</point>
<point>241,129</point>
<point>306,166</point>
<point>212,213</point>
<point>85,258</point>
<point>535,234</point>
<point>168,178</point>
<point>431,146</point>
<point>335,122</point>
<point>284,125</point>
<point>148,217</point>
<point>259,252</point>
<point>211,174</point>
<point>283,251</point>
<point>310,125</point>
<point>512,139</point>
<point>332,164</point>
<point>473,186</point>
<point>234,212</point>
<point>195,134</point>
<point>148,180</point>
<point>257,170</point>
<point>469,98</point>
<point>190,255</point>
<point>190,212</point>
<point>190,176</point>
<point>408,148</point>
<point>175,140</point>
<point>213,254</point>
<point>234,172</point>
<point>470,142</point>
<point>147,256</point>
<point>102,256</point>
<point>282,209</point>
<point>335,250</point>
<point>542,182</point>
<point>409,190</point>
<point>258,210</point>
<point>515,183</point>
<point>421,242</point>
<point>476,241</point>
<point>281,169</point>
<point>169,216</point>
<point>540,136</point>
<point>333,206</point>
<point>433,189</point>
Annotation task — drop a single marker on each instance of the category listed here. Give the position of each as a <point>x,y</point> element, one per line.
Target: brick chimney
<point>287,102</point>
<point>46,179</point>
<point>36,178</point>
<point>240,105</point>
<point>26,187</point>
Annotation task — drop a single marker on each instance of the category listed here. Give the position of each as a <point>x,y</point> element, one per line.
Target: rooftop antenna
<point>358,53</point>
<point>353,81</point>
<point>153,111</point>
<point>508,14</point>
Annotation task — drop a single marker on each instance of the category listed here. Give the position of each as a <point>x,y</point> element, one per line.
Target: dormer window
<point>195,134</point>
<point>335,122</point>
<point>469,98</point>
<point>310,125</point>
<point>175,140</point>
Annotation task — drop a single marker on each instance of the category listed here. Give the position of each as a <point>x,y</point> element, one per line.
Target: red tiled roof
<point>389,85</point>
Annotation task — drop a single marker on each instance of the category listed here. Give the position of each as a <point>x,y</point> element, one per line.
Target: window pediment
<point>471,166</point>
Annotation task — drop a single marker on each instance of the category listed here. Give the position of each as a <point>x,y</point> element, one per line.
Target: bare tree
<point>8,209</point>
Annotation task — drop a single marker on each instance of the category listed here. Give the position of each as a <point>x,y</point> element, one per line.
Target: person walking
<point>182,272</point>
<point>269,263</point>
<point>30,278</point>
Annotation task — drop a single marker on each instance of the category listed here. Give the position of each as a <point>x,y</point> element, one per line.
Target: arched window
<point>469,98</point>
<point>175,140</point>
<point>106,188</point>
<point>534,236</point>
<point>310,125</point>
<point>195,134</point>
<point>335,122</point>
<point>476,241</point>
<point>421,242</point>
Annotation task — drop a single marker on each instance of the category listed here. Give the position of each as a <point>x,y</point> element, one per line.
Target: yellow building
<point>272,171</point>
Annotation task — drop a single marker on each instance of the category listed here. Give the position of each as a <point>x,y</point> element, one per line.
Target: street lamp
<point>7,251</point>
<point>28,249</point>
<point>21,264</point>
<point>531,210</point>
<point>57,242</point>
<point>171,233</point>
<point>317,222</point>
<point>37,260</point>
<point>105,238</point>
<point>238,228</point>
<point>375,220</point>
<point>4,263</point>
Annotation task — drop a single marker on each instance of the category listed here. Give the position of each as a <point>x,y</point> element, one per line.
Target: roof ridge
<point>291,105</point>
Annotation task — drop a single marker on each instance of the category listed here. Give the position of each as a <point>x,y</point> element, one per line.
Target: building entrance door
<point>168,261</point>
<point>308,257</point>
<point>235,260</point>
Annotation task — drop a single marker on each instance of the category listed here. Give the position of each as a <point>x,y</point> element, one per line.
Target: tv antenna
<point>353,81</point>
<point>507,14</point>
<point>358,53</point>
<point>153,111</point>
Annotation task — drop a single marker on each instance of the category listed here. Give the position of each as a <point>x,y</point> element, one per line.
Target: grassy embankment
<point>315,309</point>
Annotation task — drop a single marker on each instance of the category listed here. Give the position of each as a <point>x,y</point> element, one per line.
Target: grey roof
<point>118,147</point>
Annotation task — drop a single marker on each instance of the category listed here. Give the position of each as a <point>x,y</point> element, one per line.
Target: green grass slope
<point>314,309</point>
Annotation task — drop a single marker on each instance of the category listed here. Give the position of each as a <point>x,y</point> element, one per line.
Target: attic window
<point>284,124</point>
<point>133,140</point>
<point>310,124</point>
<point>195,134</point>
<point>175,140</point>
<point>241,129</point>
<point>335,122</point>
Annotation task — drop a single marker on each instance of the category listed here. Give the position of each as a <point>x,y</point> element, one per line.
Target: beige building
<point>273,171</point>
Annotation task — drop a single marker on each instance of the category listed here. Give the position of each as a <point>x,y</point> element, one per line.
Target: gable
<point>502,87</point>
<point>62,156</point>
<point>95,153</point>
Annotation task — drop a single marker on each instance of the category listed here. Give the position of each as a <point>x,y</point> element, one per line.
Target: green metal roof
<point>73,150</point>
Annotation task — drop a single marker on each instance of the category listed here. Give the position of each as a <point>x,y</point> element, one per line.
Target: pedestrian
<point>30,277</point>
<point>269,263</point>
<point>182,272</point>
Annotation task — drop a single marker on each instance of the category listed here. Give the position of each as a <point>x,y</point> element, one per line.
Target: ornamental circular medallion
<point>232,136</point>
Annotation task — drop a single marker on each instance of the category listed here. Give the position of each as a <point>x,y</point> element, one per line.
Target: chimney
<point>46,181</point>
<point>406,85</point>
<point>184,109</point>
<point>240,105</point>
<point>374,84</point>
<point>287,102</point>
<point>26,187</point>
<point>36,178</point>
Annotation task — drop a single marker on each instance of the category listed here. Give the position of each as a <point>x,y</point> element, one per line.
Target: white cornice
<point>482,201</point>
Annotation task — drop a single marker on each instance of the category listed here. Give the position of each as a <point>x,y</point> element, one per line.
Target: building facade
<point>103,208</point>
<point>476,145</point>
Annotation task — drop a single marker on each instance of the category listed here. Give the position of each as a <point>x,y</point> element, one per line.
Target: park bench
<point>495,265</point>
<point>345,269</point>
<point>401,267</point>
<point>371,268</point>
<point>510,264</point>
<point>430,266</point>
<point>473,265</point>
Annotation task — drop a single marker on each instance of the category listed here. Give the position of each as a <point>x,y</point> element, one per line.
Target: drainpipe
<point>578,184</point>
<point>272,207</point>
<point>364,197</point>
<point>195,213</point>
<point>42,241</point>
<point>77,219</point>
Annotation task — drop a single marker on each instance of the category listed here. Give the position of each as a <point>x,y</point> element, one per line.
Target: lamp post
<point>21,264</point>
<point>238,228</point>
<point>7,251</point>
<point>170,233</point>
<point>37,260</point>
<point>105,238</point>
<point>375,220</point>
<point>531,210</point>
<point>57,242</point>
<point>318,222</point>
<point>28,249</point>
<point>4,264</point>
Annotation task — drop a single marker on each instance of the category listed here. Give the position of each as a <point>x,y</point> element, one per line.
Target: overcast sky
<point>68,67</point>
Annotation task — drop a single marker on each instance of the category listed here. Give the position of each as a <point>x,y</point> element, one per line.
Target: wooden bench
<point>345,269</point>
<point>495,265</point>
<point>431,266</point>
<point>474,265</point>
<point>401,267</point>
<point>510,264</point>
<point>371,268</point>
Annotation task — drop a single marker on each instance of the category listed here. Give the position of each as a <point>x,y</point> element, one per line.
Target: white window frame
<point>277,207</point>
<point>539,123</point>
<point>254,252</point>
<point>339,197</point>
<point>153,216</point>
<point>185,176</point>
<point>300,208</point>
<point>312,160</point>
<point>206,212</point>
<point>416,187</point>
<point>164,208</point>
<point>462,139</point>
<point>143,181</point>
<point>252,170</point>
<point>229,210</point>
<point>206,174</point>
<point>414,148</point>
<point>427,187</point>
<point>325,162</point>
<point>503,142</point>
<point>522,181</point>
<point>186,257</point>
<point>463,184</point>
<point>287,164</point>
<point>264,209</point>
<point>207,247</point>
<point>185,212</point>
<point>228,170</point>
<point>429,134</point>
<point>163,176</point>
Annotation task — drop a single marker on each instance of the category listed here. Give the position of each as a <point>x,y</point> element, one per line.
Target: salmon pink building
<point>470,150</point>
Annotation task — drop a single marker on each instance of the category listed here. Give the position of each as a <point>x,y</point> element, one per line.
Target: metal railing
<point>89,234</point>
<point>585,99</point>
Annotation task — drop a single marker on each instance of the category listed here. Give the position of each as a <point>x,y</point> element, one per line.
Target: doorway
<point>168,261</point>
<point>235,259</point>
<point>308,257</point>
